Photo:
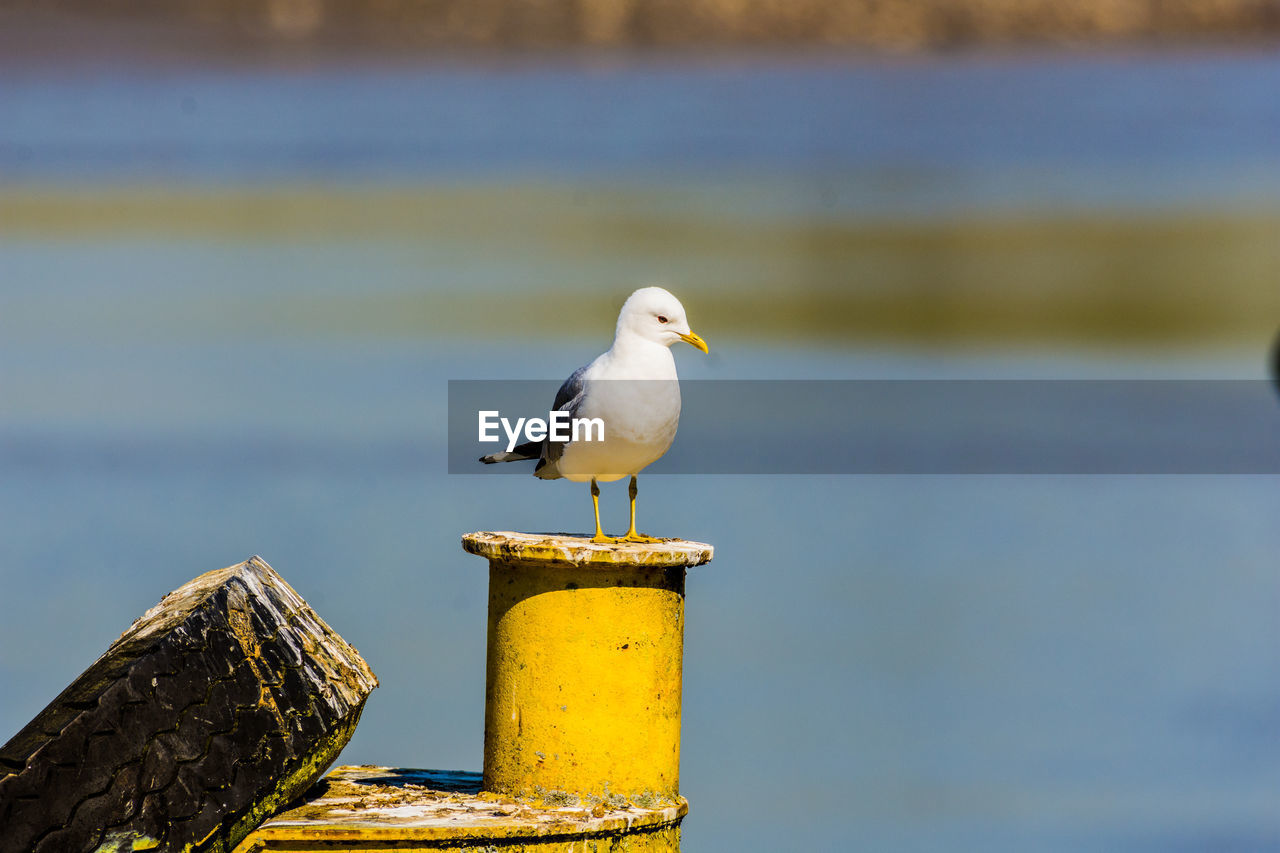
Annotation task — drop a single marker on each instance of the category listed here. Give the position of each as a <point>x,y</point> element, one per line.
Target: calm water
<point>888,663</point>
<point>893,136</point>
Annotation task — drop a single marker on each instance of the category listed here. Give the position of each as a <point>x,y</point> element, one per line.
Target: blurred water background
<point>232,294</point>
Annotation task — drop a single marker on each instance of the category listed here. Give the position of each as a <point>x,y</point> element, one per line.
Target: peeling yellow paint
<point>562,549</point>
<point>379,808</point>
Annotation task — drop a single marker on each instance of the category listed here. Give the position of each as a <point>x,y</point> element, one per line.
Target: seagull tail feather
<point>522,452</point>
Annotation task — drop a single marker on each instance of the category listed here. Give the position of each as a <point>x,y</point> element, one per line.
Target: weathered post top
<point>584,667</point>
<point>564,549</point>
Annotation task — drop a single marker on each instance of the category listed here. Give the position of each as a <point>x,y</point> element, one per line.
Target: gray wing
<point>568,399</point>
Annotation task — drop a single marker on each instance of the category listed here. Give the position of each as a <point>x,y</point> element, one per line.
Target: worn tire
<point>222,703</point>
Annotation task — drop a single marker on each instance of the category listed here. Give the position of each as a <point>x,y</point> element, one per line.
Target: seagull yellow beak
<point>695,341</point>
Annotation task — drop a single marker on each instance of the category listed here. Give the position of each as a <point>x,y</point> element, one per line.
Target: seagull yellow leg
<point>595,501</point>
<point>632,535</point>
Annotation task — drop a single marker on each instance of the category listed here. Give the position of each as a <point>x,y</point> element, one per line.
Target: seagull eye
<point>662,319</point>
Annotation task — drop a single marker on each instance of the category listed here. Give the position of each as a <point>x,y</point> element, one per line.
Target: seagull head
<point>656,315</point>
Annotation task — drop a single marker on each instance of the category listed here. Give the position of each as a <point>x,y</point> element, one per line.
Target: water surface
<point>231,301</point>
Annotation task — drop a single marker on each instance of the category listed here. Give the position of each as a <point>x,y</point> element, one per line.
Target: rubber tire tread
<point>186,725</point>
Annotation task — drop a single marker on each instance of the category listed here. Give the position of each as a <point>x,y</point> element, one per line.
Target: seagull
<point>640,412</point>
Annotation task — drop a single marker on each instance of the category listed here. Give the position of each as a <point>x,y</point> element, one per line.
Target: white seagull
<point>639,404</point>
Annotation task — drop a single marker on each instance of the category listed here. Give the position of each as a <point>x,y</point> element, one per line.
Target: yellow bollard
<point>582,718</point>
<point>583,683</point>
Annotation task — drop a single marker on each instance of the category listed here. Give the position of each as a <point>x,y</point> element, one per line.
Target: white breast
<point>638,398</point>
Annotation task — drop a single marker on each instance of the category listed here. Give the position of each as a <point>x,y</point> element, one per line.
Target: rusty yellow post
<point>582,718</point>
<point>583,684</point>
